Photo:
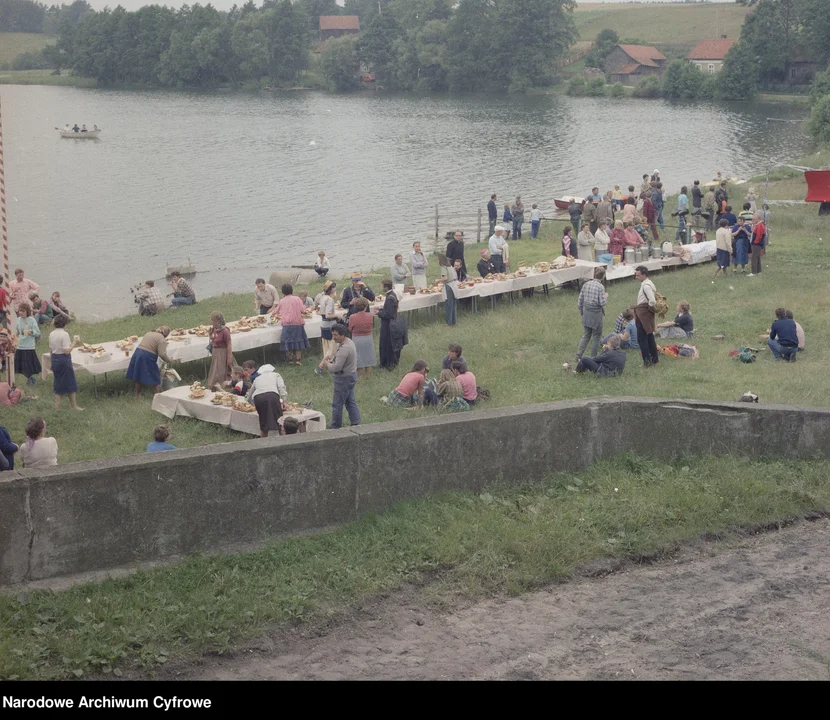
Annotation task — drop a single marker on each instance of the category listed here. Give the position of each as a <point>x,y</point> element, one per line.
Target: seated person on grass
<point>453,353</point>
<point>682,326</point>
<point>161,434</point>
<point>628,332</point>
<point>410,391</point>
<point>467,381</point>
<point>239,384</point>
<point>290,426</point>
<point>783,337</point>
<point>609,363</point>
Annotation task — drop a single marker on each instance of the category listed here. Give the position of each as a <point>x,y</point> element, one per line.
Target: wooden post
<point>436,222</point>
<point>478,233</point>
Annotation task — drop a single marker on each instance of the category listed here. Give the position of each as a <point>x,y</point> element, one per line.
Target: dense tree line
<point>28,16</point>
<point>467,45</point>
<point>408,44</point>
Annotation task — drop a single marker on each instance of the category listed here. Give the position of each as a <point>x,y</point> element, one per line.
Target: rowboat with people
<point>80,133</point>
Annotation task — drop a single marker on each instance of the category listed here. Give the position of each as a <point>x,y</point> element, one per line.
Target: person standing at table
<point>418,262</point>
<point>221,356</point>
<point>268,394</point>
<point>455,249</point>
<point>357,289</point>
<point>387,314</point>
<point>144,367</point>
<point>492,212</point>
<point>327,313</point>
<point>586,242</point>
<point>61,347</point>
<point>497,246</point>
<point>360,326</point>
<point>399,272</point>
<point>343,369</point>
<point>265,296</point>
<point>451,295</point>
<point>26,362</point>
<point>644,317</point>
<point>294,339</point>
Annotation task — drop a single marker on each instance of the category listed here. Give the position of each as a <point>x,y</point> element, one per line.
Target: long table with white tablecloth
<point>191,347</point>
<point>178,402</point>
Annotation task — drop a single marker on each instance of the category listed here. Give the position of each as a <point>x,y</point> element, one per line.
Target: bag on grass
<point>482,393</point>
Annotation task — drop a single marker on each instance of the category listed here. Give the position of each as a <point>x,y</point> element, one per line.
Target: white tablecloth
<point>177,402</point>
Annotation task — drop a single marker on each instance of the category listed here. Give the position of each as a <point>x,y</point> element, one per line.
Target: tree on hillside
<point>378,45</point>
<point>341,65</point>
<point>605,42</point>
<point>738,80</point>
<point>21,16</point>
<point>820,121</point>
<point>820,86</point>
<point>814,22</point>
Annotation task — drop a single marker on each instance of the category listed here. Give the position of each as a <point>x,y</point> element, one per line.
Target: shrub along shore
<point>516,351</point>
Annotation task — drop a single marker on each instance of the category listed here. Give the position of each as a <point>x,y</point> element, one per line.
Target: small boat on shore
<point>88,135</point>
<point>563,202</point>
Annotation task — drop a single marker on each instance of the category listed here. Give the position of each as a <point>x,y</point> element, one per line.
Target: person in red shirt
<point>650,214</point>
<point>759,231</point>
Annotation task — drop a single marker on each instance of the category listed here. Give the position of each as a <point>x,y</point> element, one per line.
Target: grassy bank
<point>515,351</point>
<point>504,540</point>
<point>680,23</point>
<point>12,44</point>
<point>44,77</point>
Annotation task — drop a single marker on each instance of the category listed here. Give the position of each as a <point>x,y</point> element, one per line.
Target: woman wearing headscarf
<point>616,239</point>
<point>586,242</point>
<point>144,364</point>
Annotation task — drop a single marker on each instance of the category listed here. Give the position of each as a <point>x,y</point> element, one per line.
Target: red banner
<point>818,185</point>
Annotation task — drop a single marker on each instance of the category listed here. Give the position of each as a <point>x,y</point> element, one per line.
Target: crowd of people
<point>600,226</point>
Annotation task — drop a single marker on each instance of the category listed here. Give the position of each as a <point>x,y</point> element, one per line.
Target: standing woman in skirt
<point>221,359</point>
<point>268,394</point>
<point>293,339</point>
<point>25,357</point>
<point>360,326</point>
<point>144,364</point>
<point>61,348</point>
<point>327,308</point>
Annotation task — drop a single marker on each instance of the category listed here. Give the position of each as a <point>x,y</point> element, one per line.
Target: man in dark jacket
<point>455,249</point>
<point>721,198</point>
<point>485,265</point>
<point>575,213</point>
<point>609,363</point>
<point>350,294</point>
<point>783,337</point>
<point>697,196</point>
<point>657,201</point>
<point>492,212</point>
<point>388,314</point>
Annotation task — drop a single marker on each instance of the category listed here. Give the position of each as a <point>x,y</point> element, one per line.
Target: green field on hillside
<point>663,24</point>
<point>12,44</point>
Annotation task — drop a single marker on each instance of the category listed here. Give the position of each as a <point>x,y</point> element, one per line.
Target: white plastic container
<point>668,249</point>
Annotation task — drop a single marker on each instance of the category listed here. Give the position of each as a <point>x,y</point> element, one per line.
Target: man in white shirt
<point>497,249</point>
<point>265,297</point>
<point>644,316</point>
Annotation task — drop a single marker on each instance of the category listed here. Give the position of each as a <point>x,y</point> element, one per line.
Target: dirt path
<point>759,609</point>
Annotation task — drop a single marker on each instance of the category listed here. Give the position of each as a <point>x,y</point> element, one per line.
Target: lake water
<point>246,183</point>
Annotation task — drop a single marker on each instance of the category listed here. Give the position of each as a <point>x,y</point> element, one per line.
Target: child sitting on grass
<point>239,384</point>
<point>290,426</point>
<point>161,434</point>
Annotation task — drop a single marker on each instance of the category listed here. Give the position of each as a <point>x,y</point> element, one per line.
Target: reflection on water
<point>233,181</point>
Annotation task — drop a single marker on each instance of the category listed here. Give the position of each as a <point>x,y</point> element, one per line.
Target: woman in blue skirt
<point>61,347</point>
<point>144,364</point>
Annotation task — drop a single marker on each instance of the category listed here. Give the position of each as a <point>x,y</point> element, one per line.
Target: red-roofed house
<point>629,63</point>
<point>335,26</point>
<point>708,54</point>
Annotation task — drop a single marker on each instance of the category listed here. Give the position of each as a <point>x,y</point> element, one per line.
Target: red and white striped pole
<point>3,225</point>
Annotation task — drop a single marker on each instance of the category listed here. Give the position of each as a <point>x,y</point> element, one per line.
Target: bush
<point>820,86</point>
<point>31,61</point>
<point>682,80</point>
<point>820,121</point>
<point>617,90</point>
<point>340,64</point>
<point>576,86</point>
<point>648,87</point>
<point>595,87</point>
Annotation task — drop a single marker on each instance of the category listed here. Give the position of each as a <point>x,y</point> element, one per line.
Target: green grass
<point>503,540</point>
<point>661,23</point>
<point>12,44</point>
<point>515,351</point>
<point>44,77</point>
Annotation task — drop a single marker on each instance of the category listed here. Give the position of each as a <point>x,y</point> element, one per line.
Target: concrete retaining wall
<point>101,515</point>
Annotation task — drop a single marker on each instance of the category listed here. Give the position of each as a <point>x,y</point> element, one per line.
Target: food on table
<point>178,332</point>
<point>542,267</point>
<point>243,405</point>
<point>293,407</point>
<point>90,348</point>
<point>197,390</point>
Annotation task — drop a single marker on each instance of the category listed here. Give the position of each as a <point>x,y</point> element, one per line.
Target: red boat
<point>563,202</point>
